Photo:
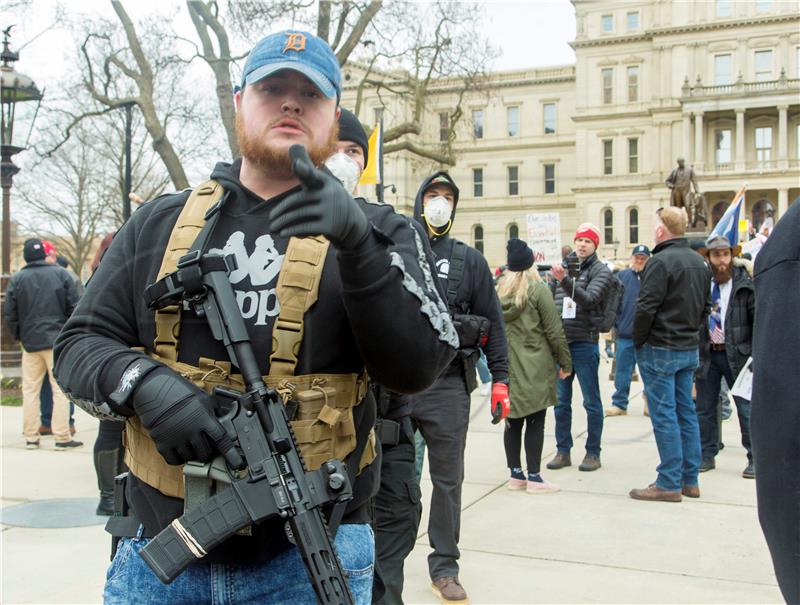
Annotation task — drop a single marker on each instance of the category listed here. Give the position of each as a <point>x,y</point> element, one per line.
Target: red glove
<point>501,405</point>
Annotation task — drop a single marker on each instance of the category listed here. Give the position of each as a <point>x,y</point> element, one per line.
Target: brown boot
<point>691,491</point>
<point>590,463</point>
<point>560,461</point>
<point>655,494</point>
<point>450,591</point>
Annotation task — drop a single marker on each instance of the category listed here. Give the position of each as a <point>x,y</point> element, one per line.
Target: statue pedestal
<point>697,235</point>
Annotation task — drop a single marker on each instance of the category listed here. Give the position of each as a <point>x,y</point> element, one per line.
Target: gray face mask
<point>344,168</point>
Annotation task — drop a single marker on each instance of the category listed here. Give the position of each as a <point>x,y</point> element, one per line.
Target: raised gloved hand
<point>323,207</point>
<point>501,405</point>
<point>179,416</point>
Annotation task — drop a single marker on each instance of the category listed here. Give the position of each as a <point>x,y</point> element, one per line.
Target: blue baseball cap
<point>641,249</point>
<point>299,51</point>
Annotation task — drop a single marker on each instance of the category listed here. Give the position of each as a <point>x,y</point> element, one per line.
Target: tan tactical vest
<point>323,424</point>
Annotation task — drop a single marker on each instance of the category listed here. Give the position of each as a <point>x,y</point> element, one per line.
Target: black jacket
<point>39,300</point>
<point>631,281</point>
<point>378,308</point>
<point>591,287</point>
<point>674,298</point>
<point>476,294</point>
<point>775,419</point>
<point>739,317</point>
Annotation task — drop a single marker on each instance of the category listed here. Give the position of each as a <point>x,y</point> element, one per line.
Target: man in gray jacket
<point>40,298</point>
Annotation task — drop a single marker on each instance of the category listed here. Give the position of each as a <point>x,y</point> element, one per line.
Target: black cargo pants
<point>397,513</point>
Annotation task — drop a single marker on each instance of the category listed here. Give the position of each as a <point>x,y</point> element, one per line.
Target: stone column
<point>740,136</point>
<point>783,138</point>
<point>783,52</point>
<point>783,202</point>
<point>698,140</point>
<point>686,150</point>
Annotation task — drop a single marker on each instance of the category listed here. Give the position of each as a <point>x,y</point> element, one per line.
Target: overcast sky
<point>530,33</point>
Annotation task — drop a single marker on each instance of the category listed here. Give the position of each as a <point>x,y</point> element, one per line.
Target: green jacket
<point>536,344</point>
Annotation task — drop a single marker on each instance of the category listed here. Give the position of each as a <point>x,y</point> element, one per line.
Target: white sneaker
<point>542,487</point>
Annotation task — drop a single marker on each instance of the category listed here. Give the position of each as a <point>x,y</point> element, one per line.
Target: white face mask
<point>344,168</point>
<point>438,211</point>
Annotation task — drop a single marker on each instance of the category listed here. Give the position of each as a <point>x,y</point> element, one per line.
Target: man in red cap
<point>579,297</point>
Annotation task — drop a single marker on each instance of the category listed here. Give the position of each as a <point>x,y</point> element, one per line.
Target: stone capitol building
<point>714,81</point>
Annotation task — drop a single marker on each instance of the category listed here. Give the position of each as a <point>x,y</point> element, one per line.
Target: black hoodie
<point>476,293</point>
<point>378,307</point>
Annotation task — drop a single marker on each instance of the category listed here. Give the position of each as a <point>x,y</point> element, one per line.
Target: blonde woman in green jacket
<point>538,355</point>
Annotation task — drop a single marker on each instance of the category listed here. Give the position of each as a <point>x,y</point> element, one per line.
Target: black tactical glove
<point>323,207</point>
<point>179,416</point>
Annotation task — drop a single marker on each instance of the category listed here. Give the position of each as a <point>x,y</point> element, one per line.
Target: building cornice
<point>533,145</point>
<point>642,113</point>
<point>684,29</point>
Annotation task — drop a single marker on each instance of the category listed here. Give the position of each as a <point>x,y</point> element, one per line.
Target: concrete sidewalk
<point>589,543</point>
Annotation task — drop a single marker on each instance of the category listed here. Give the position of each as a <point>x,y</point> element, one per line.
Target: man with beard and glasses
<point>355,294</point>
<point>725,345</point>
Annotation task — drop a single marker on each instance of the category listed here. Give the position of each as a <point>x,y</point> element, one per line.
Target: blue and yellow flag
<point>372,171</point>
<point>728,225</point>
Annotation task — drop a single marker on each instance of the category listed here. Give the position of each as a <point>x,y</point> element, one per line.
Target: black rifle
<point>275,481</point>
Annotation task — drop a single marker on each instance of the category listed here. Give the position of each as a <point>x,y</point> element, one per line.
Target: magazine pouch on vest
<point>320,406</point>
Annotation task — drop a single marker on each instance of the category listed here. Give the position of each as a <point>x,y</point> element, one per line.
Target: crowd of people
<point>318,273</point>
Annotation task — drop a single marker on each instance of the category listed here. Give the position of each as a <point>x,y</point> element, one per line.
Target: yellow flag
<point>372,171</point>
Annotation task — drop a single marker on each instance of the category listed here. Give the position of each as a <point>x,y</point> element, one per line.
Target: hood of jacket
<point>745,264</point>
<point>227,175</point>
<point>442,177</point>
<point>510,310</point>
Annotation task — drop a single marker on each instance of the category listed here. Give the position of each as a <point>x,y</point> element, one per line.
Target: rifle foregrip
<point>319,556</point>
<point>190,537</point>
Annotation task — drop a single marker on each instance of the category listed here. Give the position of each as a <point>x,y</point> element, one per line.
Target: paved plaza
<point>589,543</point>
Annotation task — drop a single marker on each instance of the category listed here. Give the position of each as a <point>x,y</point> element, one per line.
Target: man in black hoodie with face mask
<point>376,307</point>
<point>441,413</point>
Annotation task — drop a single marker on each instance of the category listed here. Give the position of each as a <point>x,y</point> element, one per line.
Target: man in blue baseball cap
<point>318,274</point>
<point>625,352</point>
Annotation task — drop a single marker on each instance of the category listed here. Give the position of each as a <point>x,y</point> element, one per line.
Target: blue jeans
<point>585,361</point>
<point>668,375</point>
<point>483,368</point>
<point>281,580</point>
<point>626,361</point>
<point>46,404</point>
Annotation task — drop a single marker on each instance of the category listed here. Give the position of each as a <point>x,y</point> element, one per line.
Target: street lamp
<point>16,88</point>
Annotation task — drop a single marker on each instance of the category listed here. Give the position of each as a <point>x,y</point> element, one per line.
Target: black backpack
<point>606,315</point>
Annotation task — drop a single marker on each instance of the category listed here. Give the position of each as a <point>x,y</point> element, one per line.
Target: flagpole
<point>379,185</point>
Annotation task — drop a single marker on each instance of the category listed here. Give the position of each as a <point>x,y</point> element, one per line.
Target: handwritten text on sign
<point>544,237</point>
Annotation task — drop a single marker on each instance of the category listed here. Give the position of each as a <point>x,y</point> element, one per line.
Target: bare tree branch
<point>203,20</point>
<point>364,19</point>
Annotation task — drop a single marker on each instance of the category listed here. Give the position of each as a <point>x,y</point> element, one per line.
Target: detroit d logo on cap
<point>295,42</point>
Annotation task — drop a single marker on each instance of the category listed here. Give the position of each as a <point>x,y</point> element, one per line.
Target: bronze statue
<point>680,182</point>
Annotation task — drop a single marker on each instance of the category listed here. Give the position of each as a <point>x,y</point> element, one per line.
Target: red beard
<point>276,160</point>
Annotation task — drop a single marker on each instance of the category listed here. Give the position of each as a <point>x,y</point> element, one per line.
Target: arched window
<point>761,210</point>
<point>608,226</point>
<point>513,231</point>
<point>717,211</point>
<point>477,238</point>
<point>633,226</point>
